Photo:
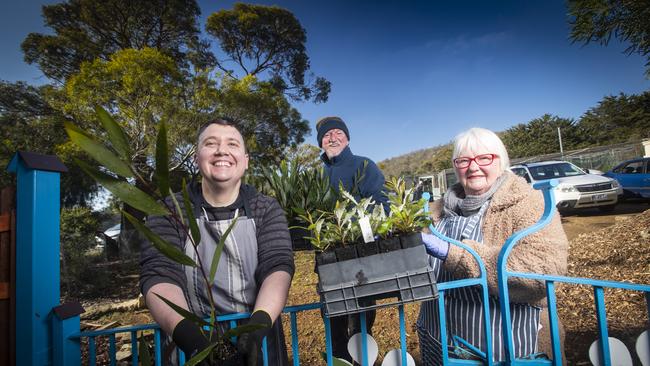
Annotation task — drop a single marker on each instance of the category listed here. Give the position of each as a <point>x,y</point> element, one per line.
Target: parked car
<point>576,189</point>
<point>634,177</point>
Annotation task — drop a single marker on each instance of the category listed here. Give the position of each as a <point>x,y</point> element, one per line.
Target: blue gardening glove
<point>250,344</point>
<point>435,246</point>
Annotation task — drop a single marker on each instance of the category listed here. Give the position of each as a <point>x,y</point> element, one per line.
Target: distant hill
<point>419,162</point>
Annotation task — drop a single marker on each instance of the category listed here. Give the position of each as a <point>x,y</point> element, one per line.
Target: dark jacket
<point>348,169</point>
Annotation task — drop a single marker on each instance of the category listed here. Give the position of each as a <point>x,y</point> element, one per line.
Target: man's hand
<point>188,337</point>
<point>249,344</point>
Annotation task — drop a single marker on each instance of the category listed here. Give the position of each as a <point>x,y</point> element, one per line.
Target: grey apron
<point>464,307</point>
<point>234,289</point>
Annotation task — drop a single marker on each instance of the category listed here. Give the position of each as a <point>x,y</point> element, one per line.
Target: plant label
<point>366,230</point>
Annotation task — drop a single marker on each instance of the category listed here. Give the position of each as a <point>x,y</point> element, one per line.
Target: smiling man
<point>255,267</point>
<point>358,175</point>
<point>361,177</point>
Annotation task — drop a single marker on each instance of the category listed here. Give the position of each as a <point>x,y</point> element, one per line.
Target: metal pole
<point>559,136</point>
<point>37,254</point>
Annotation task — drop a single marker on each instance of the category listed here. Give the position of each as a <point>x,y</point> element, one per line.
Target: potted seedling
<point>407,217</point>
<point>363,271</point>
<point>342,232</point>
<point>320,241</point>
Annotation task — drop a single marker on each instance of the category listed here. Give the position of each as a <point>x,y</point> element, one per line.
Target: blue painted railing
<point>65,332</point>
<point>292,312</point>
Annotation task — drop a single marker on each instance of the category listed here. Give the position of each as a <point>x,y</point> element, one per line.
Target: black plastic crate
<point>404,275</point>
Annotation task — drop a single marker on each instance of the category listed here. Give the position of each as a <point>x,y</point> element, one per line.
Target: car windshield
<point>558,170</point>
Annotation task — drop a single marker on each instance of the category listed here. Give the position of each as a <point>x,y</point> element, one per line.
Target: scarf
<point>456,202</point>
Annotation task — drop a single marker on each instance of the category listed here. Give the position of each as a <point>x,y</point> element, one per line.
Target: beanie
<point>329,123</point>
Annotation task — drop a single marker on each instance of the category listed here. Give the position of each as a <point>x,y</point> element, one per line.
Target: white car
<point>576,189</point>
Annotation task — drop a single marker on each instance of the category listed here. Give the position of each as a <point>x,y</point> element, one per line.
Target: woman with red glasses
<point>485,207</point>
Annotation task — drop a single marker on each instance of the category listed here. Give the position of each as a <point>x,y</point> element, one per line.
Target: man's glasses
<point>481,160</point>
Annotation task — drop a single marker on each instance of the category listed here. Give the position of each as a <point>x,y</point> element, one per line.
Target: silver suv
<point>577,188</point>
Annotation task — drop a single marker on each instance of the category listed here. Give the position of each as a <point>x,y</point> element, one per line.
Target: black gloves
<point>250,344</point>
<point>188,337</point>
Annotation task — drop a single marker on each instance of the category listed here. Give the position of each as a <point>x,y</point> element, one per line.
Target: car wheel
<point>608,208</point>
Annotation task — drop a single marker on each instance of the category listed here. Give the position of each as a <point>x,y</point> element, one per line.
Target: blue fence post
<point>37,253</point>
<point>65,323</point>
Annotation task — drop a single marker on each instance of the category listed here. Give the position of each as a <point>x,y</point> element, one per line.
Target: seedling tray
<point>402,275</point>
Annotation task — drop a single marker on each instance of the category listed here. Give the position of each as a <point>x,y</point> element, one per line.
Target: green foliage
<point>268,122</point>
<point>420,162</point>
<point>29,123</point>
<point>539,136</point>
<point>305,155</point>
<point>406,215</point>
<point>599,20</point>
<point>86,30</point>
<point>142,88</point>
<point>299,189</point>
<point>267,40</point>
<point>144,62</point>
<point>78,228</point>
<point>340,226</point>
<point>315,226</point>
<point>616,119</point>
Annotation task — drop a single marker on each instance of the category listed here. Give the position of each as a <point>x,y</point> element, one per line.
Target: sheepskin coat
<point>513,207</point>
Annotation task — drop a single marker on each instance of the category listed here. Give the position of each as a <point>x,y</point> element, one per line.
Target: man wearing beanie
<point>344,167</point>
<point>361,177</point>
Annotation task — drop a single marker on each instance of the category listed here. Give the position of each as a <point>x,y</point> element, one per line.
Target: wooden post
<point>7,277</point>
<point>37,253</point>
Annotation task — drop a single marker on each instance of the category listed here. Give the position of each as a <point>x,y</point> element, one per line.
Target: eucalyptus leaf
<point>98,151</point>
<point>184,313</point>
<point>194,227</point>
<point>162,161</point>
<point>219,249</point>
<point>201,355</point>
<point>177,207</point>
<point>143,351</point>
<point>164,247</point>
<point>116,134</point>
<point>126,192</point>
<point>241,329</point>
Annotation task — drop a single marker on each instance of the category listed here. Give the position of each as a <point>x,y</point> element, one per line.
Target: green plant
<point>315,227</point>
<point>406,215</point>
<point>78,226</point>
<point>339,228</point>
<point>299,189</point>
<point>116,173</point>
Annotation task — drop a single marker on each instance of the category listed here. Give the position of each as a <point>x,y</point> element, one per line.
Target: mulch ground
<point>620,253</point>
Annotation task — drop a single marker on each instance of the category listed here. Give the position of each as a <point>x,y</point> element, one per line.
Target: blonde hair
<point>480,139</point>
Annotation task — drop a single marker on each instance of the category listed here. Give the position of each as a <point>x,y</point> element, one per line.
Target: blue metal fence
<point>65,332</point>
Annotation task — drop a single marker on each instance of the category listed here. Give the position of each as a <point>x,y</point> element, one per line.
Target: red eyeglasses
<point>481,160</point>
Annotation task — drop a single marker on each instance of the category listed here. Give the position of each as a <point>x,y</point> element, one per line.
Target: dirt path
<point>587,221</point>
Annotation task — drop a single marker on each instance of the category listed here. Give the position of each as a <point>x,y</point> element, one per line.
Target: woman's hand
<point>435,246</point>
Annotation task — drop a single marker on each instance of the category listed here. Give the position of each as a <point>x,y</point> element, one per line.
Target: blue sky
<point>408,75</point>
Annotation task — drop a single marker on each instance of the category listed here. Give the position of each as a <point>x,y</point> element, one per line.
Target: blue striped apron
<point>464,307</point>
